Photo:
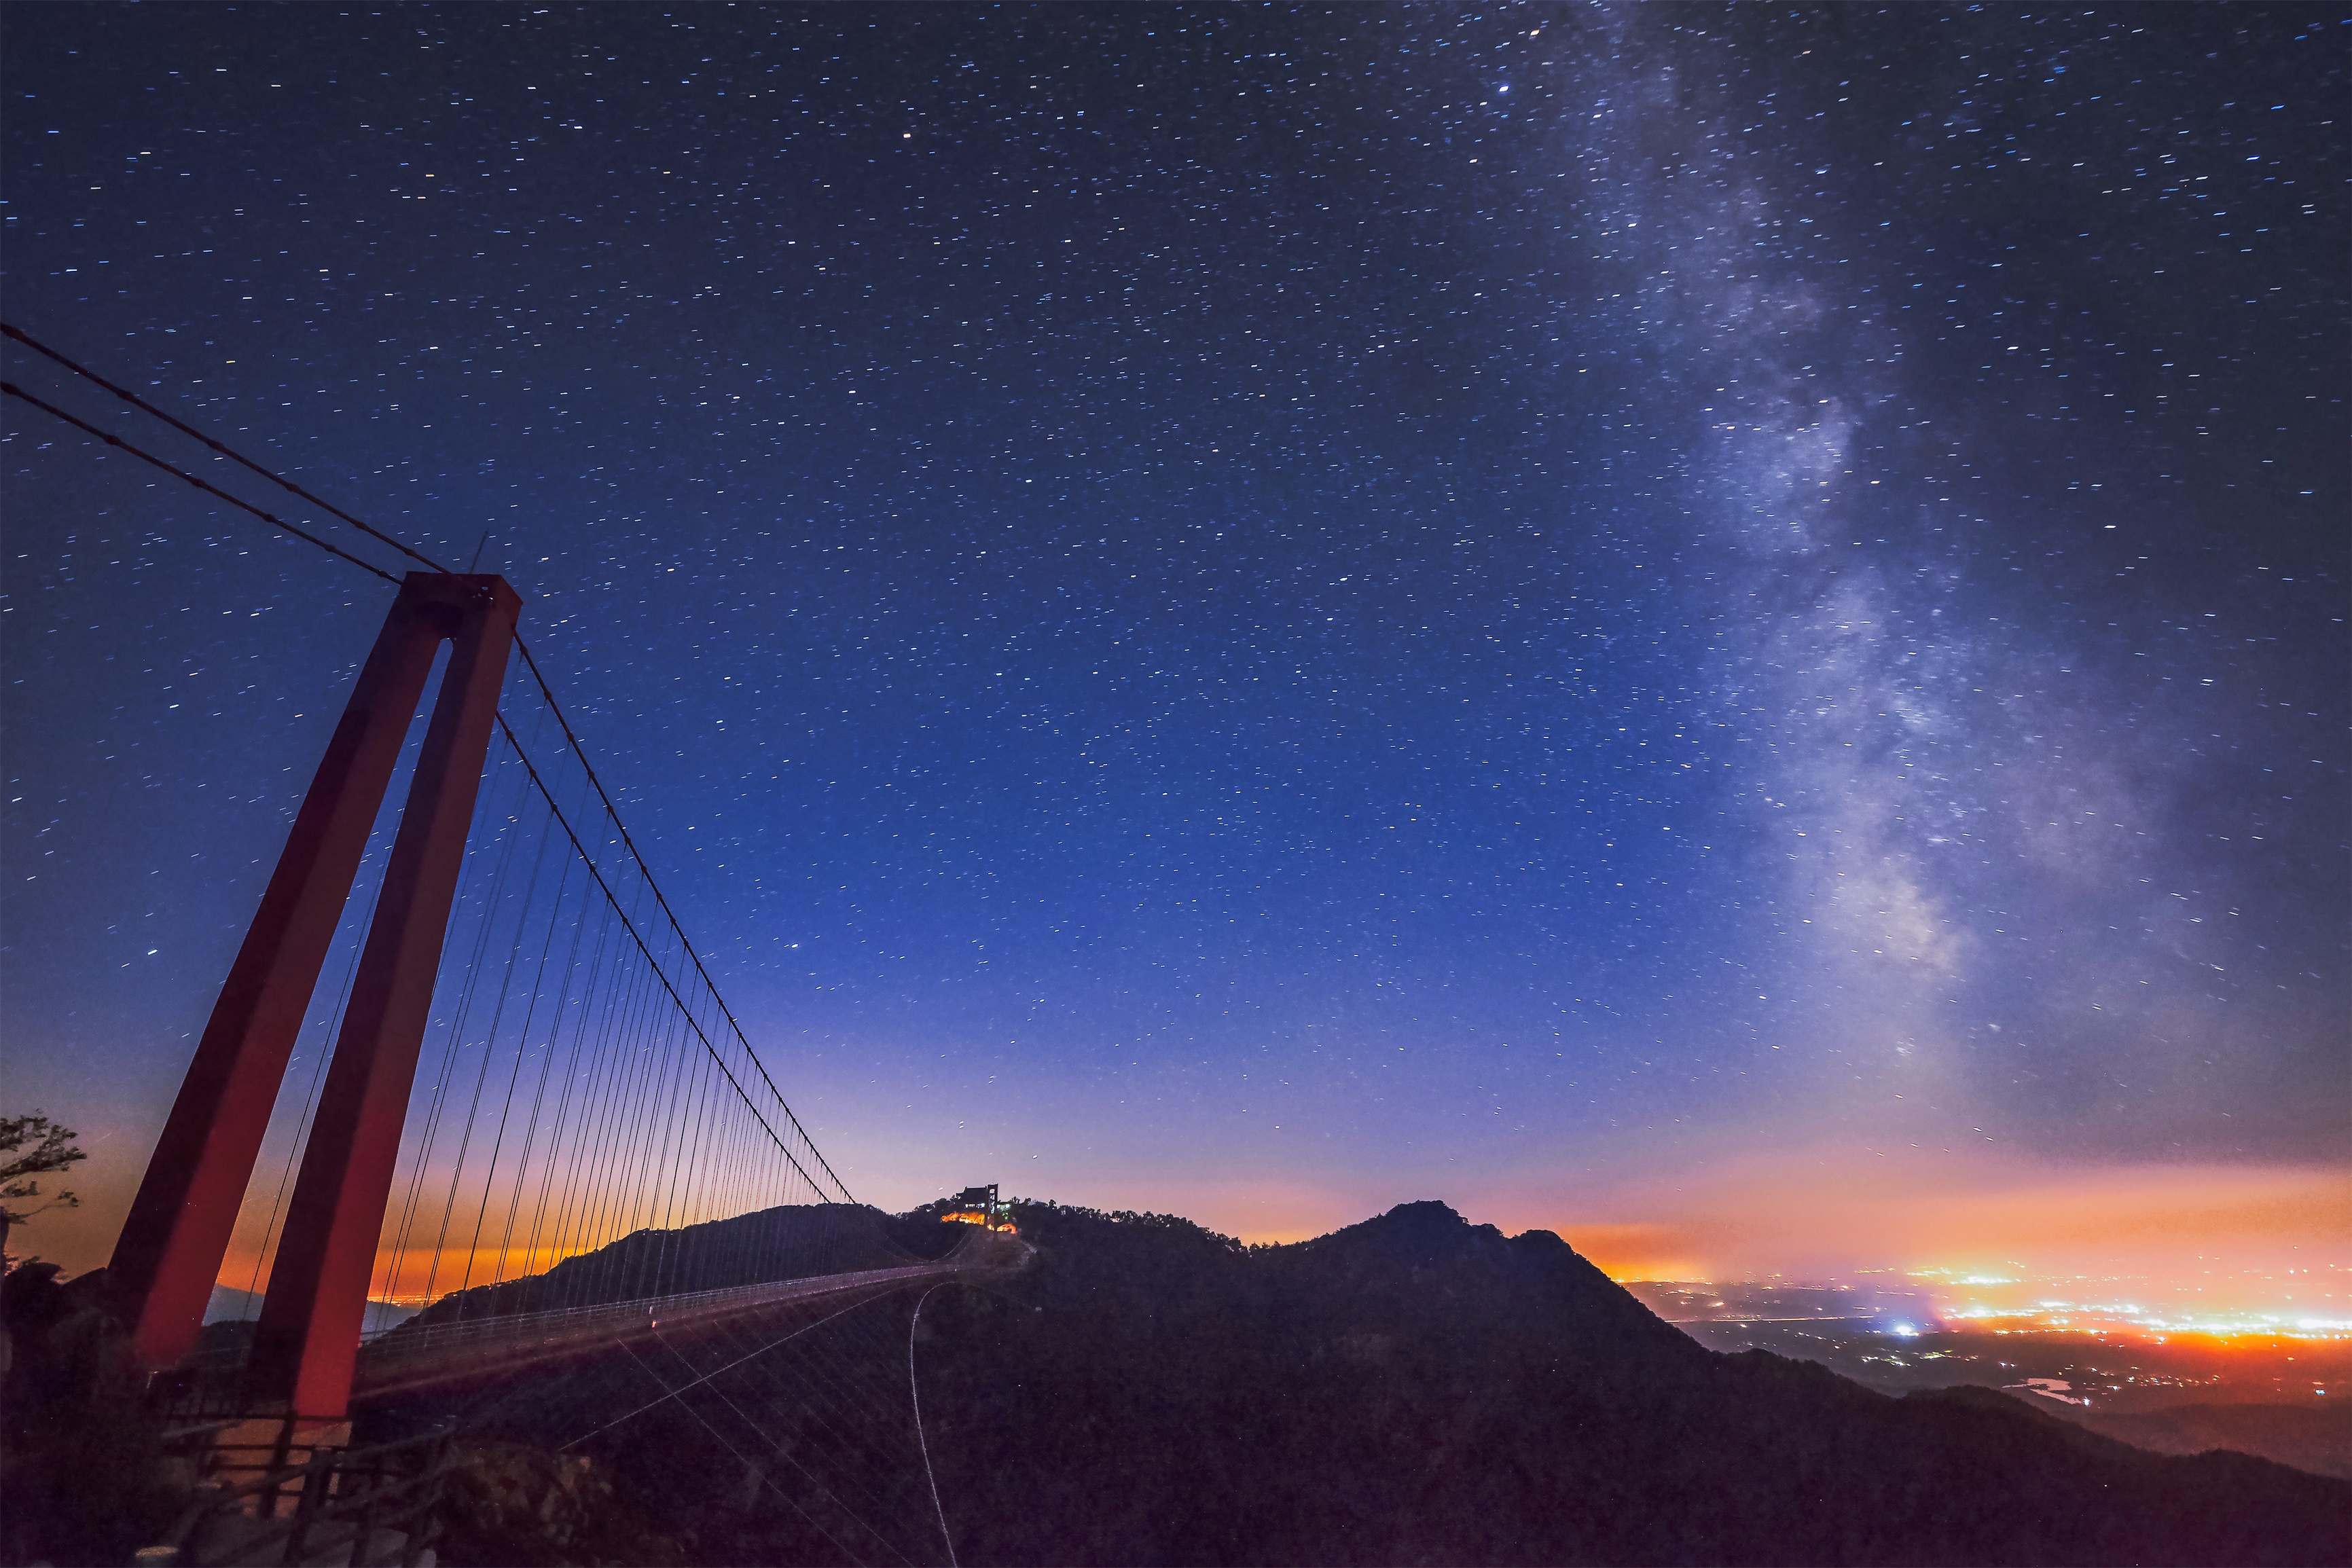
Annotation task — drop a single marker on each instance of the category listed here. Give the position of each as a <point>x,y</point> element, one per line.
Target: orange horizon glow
<point>2208,1240</point>
<point>445,1269</point>
<point>1829,1214</point>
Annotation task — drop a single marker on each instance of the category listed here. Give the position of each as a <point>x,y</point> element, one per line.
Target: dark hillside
<point>2319,1441</point>
<point>1417,1389</point>
<point>1421,1264</point>
<point>1414,1389</point>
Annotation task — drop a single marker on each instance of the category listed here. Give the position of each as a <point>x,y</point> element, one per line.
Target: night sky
<point>1721,629</point>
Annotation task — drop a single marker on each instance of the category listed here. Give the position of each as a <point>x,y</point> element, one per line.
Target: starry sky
<point>1717,628</point>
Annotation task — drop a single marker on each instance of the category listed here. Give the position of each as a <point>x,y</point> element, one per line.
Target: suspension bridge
<point>470,1128</point>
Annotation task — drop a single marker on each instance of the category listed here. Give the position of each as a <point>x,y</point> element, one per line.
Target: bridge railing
<point>408,1357</point>
<point>377,1505</point>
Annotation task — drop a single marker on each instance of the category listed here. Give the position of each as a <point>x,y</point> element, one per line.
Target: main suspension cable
<point>915,1394</point>
<point>12,390</point>
<point>140,403</point>
<point>692,1022</point>
<point>547,692</point>
<point>618,826</point>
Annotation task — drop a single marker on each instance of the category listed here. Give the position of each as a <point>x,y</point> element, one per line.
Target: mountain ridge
<point>1416,1388</point>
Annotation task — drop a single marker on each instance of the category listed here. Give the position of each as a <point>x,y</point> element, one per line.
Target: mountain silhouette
<point>1419,1389</point>
<point>1414,1389</point>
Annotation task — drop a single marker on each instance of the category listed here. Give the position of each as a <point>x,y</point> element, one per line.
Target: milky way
<point>1262,611</point>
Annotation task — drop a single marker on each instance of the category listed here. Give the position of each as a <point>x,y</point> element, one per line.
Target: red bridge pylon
<point>177,1234</point>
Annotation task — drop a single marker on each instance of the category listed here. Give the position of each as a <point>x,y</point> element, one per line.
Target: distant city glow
<point>2243,1309</point>
<point>1984,1230</point>
<point>2123,1317</point>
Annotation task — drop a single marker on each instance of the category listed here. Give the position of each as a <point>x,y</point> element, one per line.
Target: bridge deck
<point>405,1359</point>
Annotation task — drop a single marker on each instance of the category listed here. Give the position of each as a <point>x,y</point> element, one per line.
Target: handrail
<point>396,1344</point>
<point>405,1339</point>
<point>413,1355</point>
<point>313,1506</point>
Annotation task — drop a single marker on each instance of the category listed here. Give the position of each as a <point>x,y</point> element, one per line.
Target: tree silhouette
<point>51,1149</point>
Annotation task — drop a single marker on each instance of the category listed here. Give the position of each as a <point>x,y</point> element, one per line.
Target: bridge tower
<point>177,1233</point>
